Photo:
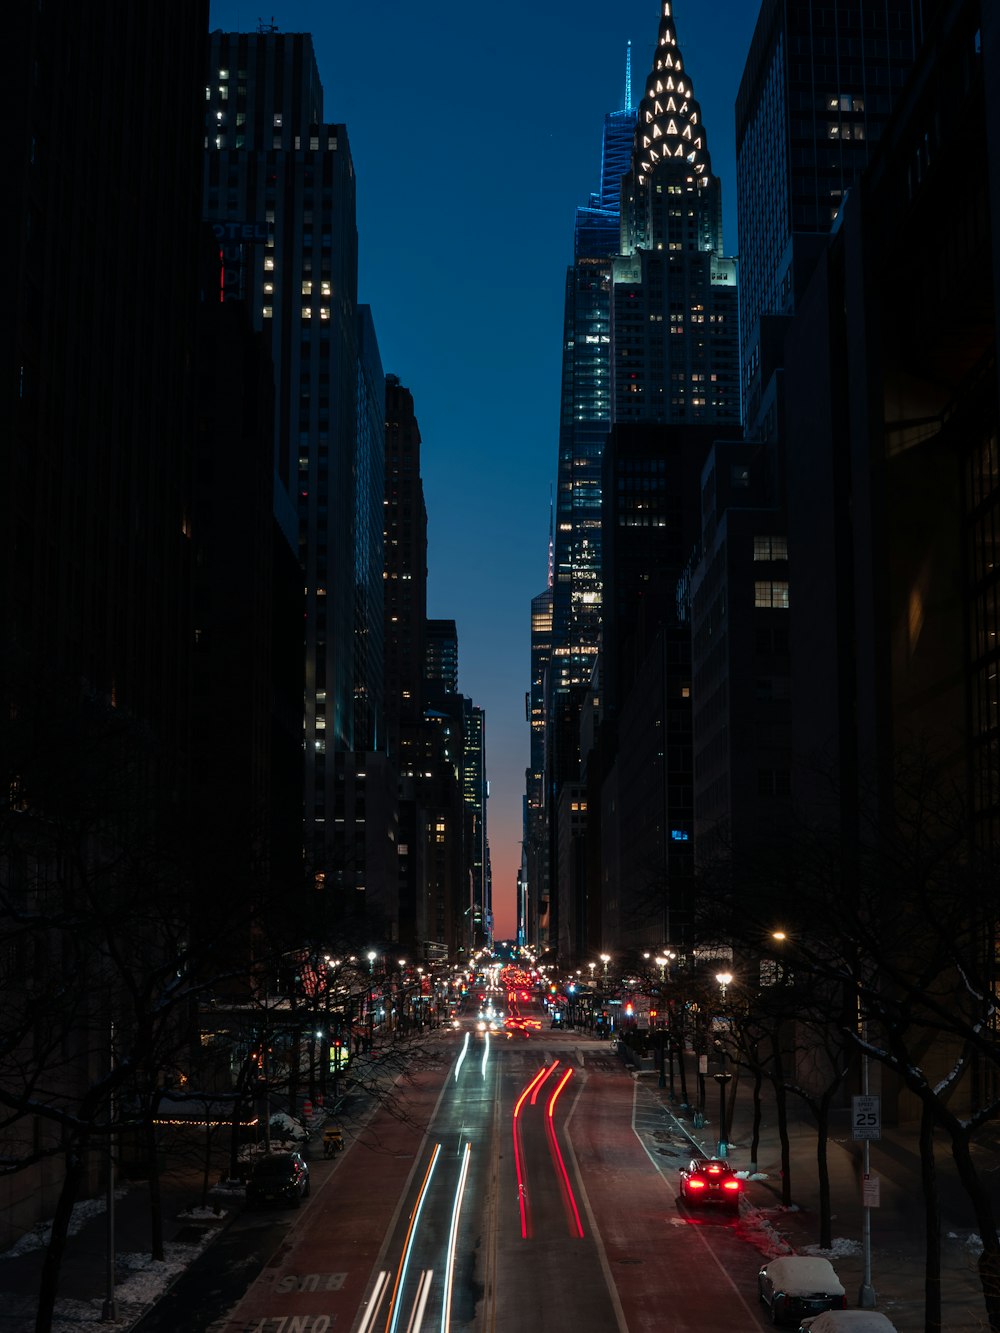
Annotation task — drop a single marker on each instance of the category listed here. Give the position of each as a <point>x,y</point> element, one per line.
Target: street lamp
<point>371,990</point>
<point>605,959</point>
<point>723,1076</point>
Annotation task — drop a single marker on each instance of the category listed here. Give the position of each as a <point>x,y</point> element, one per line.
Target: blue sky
<point>475,132</point>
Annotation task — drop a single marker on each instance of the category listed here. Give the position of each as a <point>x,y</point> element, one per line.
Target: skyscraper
<point>279,186</point>
<point>818,87</point>
<point>405,540</point>
<point>674,299</point>
<point>584,420</point>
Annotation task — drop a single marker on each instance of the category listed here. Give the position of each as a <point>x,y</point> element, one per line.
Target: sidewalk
<point>188,1231</point>
<point>897,1225</point>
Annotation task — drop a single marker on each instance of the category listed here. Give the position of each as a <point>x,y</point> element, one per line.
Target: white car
<point>798,1285</point>
<point>848,1321</point>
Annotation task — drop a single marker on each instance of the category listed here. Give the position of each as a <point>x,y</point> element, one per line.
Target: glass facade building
<point>584,421</point>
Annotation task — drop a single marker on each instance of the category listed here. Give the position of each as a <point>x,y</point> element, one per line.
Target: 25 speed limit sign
<point>866,1117</point>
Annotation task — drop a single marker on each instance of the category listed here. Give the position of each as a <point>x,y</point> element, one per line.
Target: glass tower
<point>585,418</point>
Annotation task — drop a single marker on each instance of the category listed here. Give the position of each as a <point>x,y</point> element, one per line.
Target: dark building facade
<point>279,188</point>
<point>97,511</point>
<point>819,84</point>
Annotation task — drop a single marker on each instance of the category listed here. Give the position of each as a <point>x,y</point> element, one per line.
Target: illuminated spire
<point>628,78</point>
<point>669,125</point>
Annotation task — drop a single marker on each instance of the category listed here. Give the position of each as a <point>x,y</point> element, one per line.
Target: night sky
<point>475,132</point>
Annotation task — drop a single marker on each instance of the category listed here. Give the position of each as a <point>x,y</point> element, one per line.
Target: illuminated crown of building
<point>669,126</point>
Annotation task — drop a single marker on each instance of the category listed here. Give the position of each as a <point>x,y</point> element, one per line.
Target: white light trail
<point>420,1304</point>
<point>449,1272</point>
<point>486,1053</point>
<point>381,1286</point>
<point>461,1058</point>
<point>411,1233</point>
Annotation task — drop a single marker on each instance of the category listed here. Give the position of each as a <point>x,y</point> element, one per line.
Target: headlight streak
<point>393,1314</point>
<point>381,1287</point>
<point>486,1053</point>
<point>449,1272</point>
<point>420,1304</point>
<point>522,1198</point>
<point>573,1213</point>
<point>462,1055</point>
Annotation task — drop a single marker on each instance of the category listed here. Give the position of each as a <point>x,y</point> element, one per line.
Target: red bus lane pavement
<point>320,1276</point>
<point>691,1270</point>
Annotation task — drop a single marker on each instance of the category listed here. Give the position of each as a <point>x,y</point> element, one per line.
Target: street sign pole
<point>867,1116</point>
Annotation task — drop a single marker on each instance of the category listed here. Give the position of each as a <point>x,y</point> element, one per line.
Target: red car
<point>710,1180</point>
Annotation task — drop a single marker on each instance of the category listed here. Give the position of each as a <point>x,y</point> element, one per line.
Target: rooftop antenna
<point>628,77</point>
<point>262,26</point>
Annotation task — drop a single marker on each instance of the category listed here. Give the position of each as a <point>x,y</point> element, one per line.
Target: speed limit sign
<point>866,1117</point>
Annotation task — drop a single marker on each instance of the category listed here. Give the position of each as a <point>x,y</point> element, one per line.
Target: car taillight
<point>732,1185</point>
<point>696,1184</point>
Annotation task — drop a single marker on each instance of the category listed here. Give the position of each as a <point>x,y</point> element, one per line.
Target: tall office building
<point>369,545</point>
<point>279,187</point>
<point>675,385</point>
<point>98,429</point>
<point>405,542</point>
<point>441,669</point>
<point>674,298</point>
<point>817,90</point>
<point>585,417</point>
<point>533,889</point>
<point>819,84</point>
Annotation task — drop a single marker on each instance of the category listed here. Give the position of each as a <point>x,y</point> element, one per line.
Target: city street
<point>465,1215</point>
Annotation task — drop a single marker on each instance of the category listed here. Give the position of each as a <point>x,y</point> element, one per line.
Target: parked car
<point>848,1321</point>
<point>710,1180</point>
<point>797,1285</point>
<point>278,1177</point>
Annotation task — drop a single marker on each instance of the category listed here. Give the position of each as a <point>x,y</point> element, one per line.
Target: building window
<point>771,593</point>
<point>770,548</point>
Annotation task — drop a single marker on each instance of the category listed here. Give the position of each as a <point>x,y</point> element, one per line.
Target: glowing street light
<point>723,1076</point>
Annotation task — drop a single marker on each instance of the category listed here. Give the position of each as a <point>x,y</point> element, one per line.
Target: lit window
<point>771,593</point>
<point>269,264</point>
<point>268,288</point>
<point>268,312</point>
<point>277,120</point>
<point>307,312</point>
<point>307,288</point>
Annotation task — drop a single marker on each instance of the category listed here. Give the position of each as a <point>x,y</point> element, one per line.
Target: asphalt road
<point>516,1180</point>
